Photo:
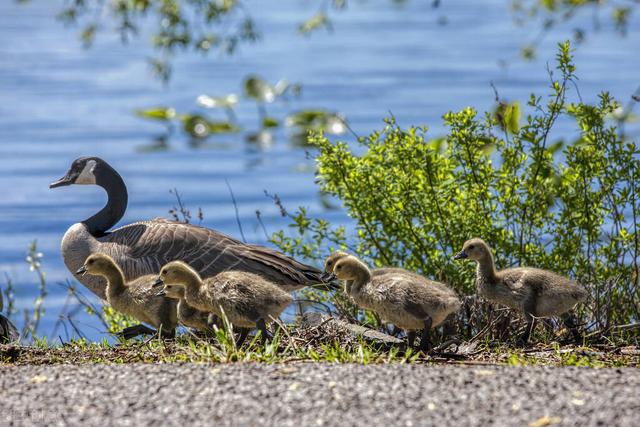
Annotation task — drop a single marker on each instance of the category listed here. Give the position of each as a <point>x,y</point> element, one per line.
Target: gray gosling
<point>248,300</point>
<point>406,299</point>
<point>136,298</point>
<point>531,291</point>
<point>188,316</point>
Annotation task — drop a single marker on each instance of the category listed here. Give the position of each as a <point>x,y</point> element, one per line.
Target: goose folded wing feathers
<point>514,279</point>
<point>143,247</point>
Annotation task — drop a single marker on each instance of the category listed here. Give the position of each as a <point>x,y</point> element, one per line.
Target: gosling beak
<point>68,179</point>
<point>161,293</point>
<point>461,255</point>
<point>328,277</point>
<point>81,271</point>
<point>158,282</point>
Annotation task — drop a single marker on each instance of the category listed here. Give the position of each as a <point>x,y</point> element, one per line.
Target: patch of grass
<point>293,345</point>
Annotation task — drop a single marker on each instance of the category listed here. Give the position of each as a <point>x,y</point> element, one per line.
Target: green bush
<point>569,205</point>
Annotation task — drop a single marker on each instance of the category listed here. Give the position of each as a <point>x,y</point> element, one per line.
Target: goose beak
<point>328,277</point>
<point>157,283</point>
<point>82,271</point>
<point>65,180</point>
<point>461,255</point>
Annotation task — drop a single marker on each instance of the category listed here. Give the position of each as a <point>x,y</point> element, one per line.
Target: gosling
<point>188,315</point>
<point>248,300</point>
<point>406,299</point>
<point>531,291</point>
<point>8,331</point>
<point>136,298</point>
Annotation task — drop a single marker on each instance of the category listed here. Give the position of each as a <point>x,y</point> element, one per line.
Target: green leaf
<point>317,21</point>
<point>157,113</point>
<point>270,122</point>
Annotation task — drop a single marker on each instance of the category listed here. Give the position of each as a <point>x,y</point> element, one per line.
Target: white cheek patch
<point>87,177</point>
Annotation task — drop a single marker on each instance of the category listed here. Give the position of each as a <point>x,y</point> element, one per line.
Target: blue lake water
<point>59,101</point>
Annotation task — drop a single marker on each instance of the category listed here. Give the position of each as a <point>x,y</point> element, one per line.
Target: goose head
<point>330,261</point>
<point>172,291</point>
<point>474,249</point>
<point>97,264</point>
<point>176,273</point>
<point>83,171</point>
<point>349,268</point>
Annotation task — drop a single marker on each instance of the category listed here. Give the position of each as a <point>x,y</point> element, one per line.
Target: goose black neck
<point>112,182</point>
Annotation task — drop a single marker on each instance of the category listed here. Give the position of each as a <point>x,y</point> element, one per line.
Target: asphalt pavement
<point>317,394</point>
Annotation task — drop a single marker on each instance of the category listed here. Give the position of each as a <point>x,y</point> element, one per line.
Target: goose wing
<point>144,247</point>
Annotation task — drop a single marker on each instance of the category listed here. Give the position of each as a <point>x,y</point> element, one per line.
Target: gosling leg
<point>425,340</point>
<point>242,338</point>
<point>411,338</point>
<point>134,331</point>
<point>213,320</point>
<point>524,338</point>
<point>569,320</point>
<point>262,326</point>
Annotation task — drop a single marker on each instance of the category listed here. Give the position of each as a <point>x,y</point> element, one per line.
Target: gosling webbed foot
<point>521,341</point>
<point>425,344</point>
<point>135,331</point>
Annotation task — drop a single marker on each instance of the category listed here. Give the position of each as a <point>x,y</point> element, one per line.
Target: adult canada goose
<point>406,299</point>
<point>143,247</point>
<point>188,316</point>
<point>248,300</point>
<point>8,332</point>
<point>531,291</point>
<point>135,298</point>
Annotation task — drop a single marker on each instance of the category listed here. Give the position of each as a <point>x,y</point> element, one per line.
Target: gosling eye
<point>90,261</point>
<point>471,247</point>
<point>329,263</point>
<point>163,272</point>
<point>339,267</point>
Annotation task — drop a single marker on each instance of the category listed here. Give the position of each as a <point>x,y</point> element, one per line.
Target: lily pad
<point>258,89</point>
